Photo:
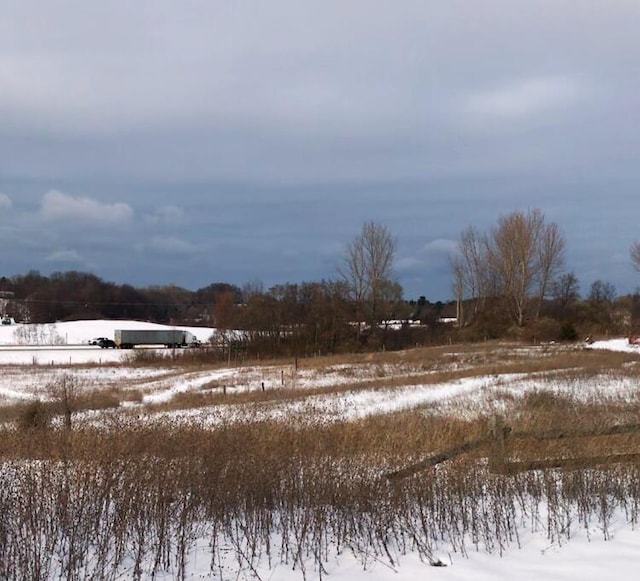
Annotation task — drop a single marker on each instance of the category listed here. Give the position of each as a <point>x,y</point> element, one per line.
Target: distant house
<point>5,297</point>
<point>448,314</point>
<point>447,320</point>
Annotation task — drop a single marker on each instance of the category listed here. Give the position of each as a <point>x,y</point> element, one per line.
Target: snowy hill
<point>81,332</point>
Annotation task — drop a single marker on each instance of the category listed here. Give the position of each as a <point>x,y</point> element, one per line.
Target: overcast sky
<point>190,142</point>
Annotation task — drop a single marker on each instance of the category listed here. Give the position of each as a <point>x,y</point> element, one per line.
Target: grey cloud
<point>290,92</point>
<point>323,65</point>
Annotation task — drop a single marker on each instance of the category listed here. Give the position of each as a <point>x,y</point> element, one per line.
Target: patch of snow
<point>615,345</point>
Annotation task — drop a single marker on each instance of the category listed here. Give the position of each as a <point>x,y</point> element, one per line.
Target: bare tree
<point>601,299</point>
<point>512,253</point>
<point>252,289</point>
<point>367,266</point>
<point>458,287</point>
<point>634,251</point>
<point>525,253</point>
<point>471,270</point>
<point>565,290</point>
<point>223,309</point>
<point>550,259</point>
<point>602,292</point>
<point>517,261</point>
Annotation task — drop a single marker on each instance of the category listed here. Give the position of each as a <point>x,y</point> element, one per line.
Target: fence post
<point>496,431</point>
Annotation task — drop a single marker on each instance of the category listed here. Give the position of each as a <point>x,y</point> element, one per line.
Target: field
<point>159,464</point>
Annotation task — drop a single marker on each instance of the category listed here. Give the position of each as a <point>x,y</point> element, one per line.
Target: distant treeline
<point>73,295</point>
<point>293,319</point>
<point>319,317</point>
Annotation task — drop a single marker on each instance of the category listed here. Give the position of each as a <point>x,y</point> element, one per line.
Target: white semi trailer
<point>129,338</point>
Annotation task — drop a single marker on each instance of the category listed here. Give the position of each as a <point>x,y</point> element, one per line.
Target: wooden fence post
<point>496,455</point>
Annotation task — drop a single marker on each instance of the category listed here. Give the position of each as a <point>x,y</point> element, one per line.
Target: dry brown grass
<point>425,366</point>
<point>98,502</point>
<point>148,494</point>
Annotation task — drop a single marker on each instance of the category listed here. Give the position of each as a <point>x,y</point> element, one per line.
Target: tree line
<point>510,281</point>
<point>72,295</point>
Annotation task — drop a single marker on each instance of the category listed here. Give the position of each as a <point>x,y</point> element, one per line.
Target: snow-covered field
<point>28,367</point>
<point>587,557</point>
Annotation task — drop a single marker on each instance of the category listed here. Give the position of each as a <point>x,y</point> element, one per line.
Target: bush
<point>35,415</point>
<point>543,329</point>
<point>147,356</point>
<point>568,332</point>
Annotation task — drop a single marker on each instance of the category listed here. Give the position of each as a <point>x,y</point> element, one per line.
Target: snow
<point>587,556</point>
<point>81,332</point>
<point>68,342</point>
<point>616,345</point>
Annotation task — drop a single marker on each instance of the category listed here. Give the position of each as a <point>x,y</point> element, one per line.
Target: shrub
<point>543,329</point>
<point>147,356</point>
<point>64,393</point>
<point>101,400</point>
<point>35,415</point>
<point>568,332</point>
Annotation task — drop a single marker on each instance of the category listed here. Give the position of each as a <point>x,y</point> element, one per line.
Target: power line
<point>107,303</point>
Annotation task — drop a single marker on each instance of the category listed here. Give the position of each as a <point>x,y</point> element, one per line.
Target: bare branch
<point>367,266</point>
<point>634,251</point>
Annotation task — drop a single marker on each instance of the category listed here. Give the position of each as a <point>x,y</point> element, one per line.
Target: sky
<point>164,142</point>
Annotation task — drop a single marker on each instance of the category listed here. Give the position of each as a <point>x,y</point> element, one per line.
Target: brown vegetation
<point>133,500</point>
